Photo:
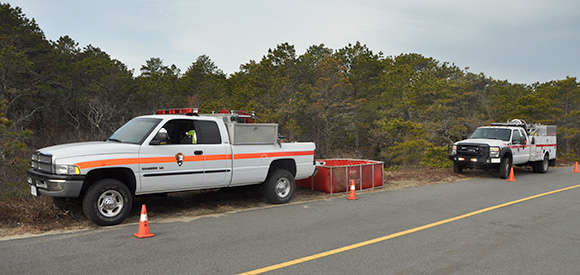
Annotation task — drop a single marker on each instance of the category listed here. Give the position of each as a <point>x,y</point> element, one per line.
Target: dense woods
<point>352,102</point>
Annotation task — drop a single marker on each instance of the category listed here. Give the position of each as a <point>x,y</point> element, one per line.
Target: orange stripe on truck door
<point>218,157</point>
<point>133,161</point>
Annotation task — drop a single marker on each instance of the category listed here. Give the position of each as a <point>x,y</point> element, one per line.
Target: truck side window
<point>516,137</point>
<point>523,137</point>
<point>208,132</point>
<point>178,130</point>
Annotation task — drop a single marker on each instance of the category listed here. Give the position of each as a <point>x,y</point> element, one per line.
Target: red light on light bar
<point>177,111</point>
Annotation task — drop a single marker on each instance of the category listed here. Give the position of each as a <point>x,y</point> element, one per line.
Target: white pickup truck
<point>173,150</point>
<point>501,145</point>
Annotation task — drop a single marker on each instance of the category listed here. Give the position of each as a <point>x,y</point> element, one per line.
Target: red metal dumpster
<point>334,175</point>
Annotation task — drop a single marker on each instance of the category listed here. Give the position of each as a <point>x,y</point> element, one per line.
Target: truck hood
<point>84,149</point>
<point>490,142</point>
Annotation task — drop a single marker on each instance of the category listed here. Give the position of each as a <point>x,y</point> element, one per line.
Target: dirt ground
<point>38,215</point>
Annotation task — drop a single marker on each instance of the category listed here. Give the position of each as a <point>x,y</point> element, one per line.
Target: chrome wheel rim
<point>110,203</point>
<point>282,187</point>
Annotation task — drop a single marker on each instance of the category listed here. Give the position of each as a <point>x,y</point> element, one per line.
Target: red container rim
<point>332,163</point>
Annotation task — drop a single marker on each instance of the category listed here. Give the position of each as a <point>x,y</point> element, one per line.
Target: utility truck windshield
<point>492,133</point>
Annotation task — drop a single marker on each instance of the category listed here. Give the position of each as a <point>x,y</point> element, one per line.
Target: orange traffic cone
<point>143,225</point>
<point>352,193</point>
<point>576,168</point>
<point>512,175</point>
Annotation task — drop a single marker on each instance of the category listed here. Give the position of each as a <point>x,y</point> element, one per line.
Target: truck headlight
<point>454,150</point>
<point>66,169</point>
<point>494,152</point>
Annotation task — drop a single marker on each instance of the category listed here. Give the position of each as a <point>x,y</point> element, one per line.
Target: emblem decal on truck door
<point>179,158</point>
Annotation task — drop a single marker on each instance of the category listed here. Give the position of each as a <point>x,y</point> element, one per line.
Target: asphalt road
<point>478,226</point>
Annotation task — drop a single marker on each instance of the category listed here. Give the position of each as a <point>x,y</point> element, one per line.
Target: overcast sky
<point>522,41</point>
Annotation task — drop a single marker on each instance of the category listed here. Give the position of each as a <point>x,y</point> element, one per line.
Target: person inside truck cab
<point>190,137</point>
<point>163,132</point>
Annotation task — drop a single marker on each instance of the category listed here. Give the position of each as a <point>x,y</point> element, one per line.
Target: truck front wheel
<point>504,167</point>
<point>457,167</point>
<point>107,202</point>
<point>279,186</point>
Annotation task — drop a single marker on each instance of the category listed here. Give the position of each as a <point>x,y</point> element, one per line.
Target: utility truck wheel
<point>279,186</point>
<point>457,168</point>
<point>535,166</point>
<point>543,165</point>
<point>107,202</point>
<point>504,167</point>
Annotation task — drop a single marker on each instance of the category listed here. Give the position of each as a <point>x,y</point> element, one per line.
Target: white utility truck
<point>501,145</point>
<point>173,150</point>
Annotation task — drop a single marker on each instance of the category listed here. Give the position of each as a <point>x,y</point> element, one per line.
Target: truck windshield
<point>492,133</point>
<point>135,131</point>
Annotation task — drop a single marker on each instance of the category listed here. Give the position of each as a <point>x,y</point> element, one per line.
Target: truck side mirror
<point>463,136</point>
<point>533,140</point>
<point>159,138</point>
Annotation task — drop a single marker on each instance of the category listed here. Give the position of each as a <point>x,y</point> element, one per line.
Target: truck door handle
<point>198,152</point>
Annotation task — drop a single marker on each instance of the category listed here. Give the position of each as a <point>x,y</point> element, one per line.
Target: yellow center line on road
<point>398,234</point>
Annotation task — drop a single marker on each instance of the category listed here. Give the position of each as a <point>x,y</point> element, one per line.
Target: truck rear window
<point>209,132</point>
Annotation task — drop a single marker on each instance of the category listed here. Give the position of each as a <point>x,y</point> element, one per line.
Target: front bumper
<point>55,185</point>
<point>473,155</point>
<point>476,162</point>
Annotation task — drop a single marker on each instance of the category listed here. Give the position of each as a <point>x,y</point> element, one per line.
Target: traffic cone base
<point>352,193</point>
<point>576,168</point>
<point>512,178</point>
<point>143,225</point>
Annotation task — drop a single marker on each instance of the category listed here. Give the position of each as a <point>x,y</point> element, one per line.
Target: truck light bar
<point>177,111</point>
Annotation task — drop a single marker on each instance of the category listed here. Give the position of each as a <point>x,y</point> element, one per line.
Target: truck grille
<point>473,150</point>
<point>42,162</point>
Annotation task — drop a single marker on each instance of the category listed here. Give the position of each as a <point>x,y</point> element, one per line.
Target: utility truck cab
<point>172,150</point>
<point>501,145</point>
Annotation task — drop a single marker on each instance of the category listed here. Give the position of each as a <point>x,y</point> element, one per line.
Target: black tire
<point>535,167</point>
<point>279,186</point>
<point>107,202</point>
<point>504,167</point>
<point>457,168</point>
<point>543,165</point>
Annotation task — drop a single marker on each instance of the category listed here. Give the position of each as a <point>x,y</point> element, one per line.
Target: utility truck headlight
<point>65,169</point>
<point>494,152</point>
<point>454,150</point>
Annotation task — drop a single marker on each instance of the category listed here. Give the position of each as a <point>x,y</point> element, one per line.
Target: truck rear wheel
<point>504,167</point>
<point>543,165</point>
<point>107,202</point>
<point>279,186</point>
